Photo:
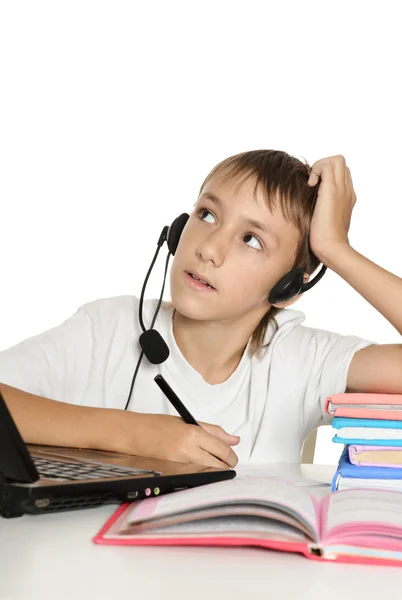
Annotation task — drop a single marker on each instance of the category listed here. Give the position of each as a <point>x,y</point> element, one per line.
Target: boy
<point>236,361</point>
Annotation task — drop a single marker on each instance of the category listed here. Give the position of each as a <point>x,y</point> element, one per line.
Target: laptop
<point>40,479</point>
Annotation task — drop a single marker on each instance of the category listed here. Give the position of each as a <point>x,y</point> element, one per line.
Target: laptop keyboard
<point>62,471</point>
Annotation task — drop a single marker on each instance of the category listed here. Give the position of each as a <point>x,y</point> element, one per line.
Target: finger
<point>232,440</point>
<point>218,449</point>
<point>339,166</point>
<point>219,431</point>
<point>315,173</point>
<point>348,179</point>
<point>321,169</point>
<point>350,184</point>
<point>201,457</point>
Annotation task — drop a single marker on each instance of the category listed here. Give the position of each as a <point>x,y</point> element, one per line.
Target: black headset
<point>153,345</point>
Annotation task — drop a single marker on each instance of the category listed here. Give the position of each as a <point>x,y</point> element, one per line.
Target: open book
<point>361,525</point>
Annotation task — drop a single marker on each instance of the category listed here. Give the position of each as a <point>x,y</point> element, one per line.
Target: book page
<point>259,492</point>
<point>380,457</point>
<point>242,513</point>
<point>293,473</point>
<point>369,433</point>
<point>222,527</point>
<point>375,511</point>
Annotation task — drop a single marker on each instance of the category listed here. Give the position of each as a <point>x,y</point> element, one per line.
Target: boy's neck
<point>213,350</point>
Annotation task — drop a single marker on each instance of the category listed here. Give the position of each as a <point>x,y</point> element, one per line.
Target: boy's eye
<point>203,210</point>
<point>246,235</point>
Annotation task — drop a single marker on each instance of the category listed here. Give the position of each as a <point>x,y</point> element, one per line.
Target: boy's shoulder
<point>124,308</point>
<point>112,304</point>
<point>291,322</point>
<point>306,345</point>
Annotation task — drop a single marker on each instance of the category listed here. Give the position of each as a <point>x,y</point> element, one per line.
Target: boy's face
<point>219,245</point>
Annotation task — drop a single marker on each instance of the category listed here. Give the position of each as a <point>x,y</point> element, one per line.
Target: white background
<point>112,113</point>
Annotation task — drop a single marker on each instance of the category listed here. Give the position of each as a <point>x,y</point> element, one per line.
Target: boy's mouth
<point>200,279</point>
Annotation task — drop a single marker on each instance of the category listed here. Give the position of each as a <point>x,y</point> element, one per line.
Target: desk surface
<point>52,556</point>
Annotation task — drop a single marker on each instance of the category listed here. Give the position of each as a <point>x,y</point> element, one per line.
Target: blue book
<point>348,471</point>
<point>365,428</point>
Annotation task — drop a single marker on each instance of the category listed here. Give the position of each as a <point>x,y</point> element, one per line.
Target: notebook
<point>271,513</point>
<point>379,456</point>
<point>350,476</point>
<point>372,431</point>
<point>364,405</point>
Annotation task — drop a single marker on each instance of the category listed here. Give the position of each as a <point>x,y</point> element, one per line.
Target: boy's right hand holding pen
<point>188,417</point>
<point>170,438</point>
<point>174,438</point>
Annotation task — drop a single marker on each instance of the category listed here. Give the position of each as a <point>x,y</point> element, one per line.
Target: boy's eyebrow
<point>252,222</point>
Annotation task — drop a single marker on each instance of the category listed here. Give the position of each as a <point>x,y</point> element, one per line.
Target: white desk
<point>52,556</point>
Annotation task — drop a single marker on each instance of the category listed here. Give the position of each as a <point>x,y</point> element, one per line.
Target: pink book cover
<point>350,400</point>
<point>306,549</point>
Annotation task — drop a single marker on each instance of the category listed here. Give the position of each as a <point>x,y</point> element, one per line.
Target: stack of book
<point>370,426</point>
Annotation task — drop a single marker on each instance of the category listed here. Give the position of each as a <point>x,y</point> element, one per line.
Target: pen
<point>175,400</point>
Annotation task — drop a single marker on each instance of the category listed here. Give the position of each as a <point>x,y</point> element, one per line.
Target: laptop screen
<point>16,463</point>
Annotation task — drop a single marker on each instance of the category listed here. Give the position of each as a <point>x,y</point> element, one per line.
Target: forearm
<point>49,422</point>
<point>382,289</point>
<point>52,423</point>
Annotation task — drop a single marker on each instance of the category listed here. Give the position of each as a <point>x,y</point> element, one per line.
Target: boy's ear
<point>306,278</point>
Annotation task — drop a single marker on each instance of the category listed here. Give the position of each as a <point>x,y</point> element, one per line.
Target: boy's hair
<point>283,178</point>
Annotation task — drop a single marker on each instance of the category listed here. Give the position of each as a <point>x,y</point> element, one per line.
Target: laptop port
<point>42,502</point>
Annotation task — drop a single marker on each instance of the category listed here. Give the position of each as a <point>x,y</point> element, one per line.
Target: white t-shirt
<point>272,402</point>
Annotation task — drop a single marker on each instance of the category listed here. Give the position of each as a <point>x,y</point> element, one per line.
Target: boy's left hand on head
<point>335,201</point>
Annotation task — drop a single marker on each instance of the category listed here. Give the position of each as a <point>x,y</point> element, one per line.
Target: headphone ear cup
<point>174,232</point>
<point>288,287</point>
